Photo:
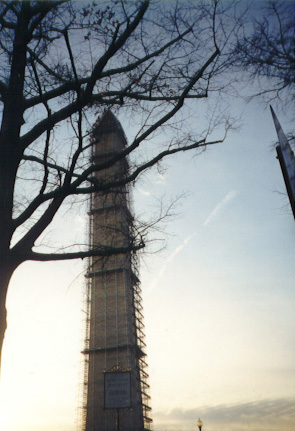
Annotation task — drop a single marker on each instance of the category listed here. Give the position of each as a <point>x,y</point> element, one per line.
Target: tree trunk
<point>5,274</point>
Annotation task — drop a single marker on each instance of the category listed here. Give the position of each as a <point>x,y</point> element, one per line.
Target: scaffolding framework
<point>115,337</point>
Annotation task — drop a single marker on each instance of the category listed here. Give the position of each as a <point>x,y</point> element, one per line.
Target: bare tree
<point>265,49</point>
<point>62,64</point>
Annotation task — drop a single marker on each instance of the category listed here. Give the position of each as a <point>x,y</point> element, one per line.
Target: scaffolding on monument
<point>130,267</point>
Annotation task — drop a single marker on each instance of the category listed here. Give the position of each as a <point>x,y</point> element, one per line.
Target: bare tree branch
<point>61,66</point>
<point>102,251</point>
<point>266,52</point>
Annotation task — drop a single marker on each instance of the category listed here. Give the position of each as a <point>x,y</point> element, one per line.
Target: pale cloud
<point>218,210</point>
<point>144,192</point>
<point>80,223</point>
<point>263,415</point>
<point>160,178</point>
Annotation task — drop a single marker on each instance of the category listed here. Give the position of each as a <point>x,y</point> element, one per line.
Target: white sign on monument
<point>117,390</point>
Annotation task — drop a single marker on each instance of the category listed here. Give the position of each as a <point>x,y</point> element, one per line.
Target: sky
<point>221,301</point>
<point>218,300</point>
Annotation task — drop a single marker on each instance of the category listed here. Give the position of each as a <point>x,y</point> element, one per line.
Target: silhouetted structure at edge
<point>115,329</point>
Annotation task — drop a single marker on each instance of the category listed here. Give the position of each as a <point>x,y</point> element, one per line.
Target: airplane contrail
<point>220,207</point>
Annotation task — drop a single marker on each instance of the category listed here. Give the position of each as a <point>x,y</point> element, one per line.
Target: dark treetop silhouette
<point>63,62</point>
